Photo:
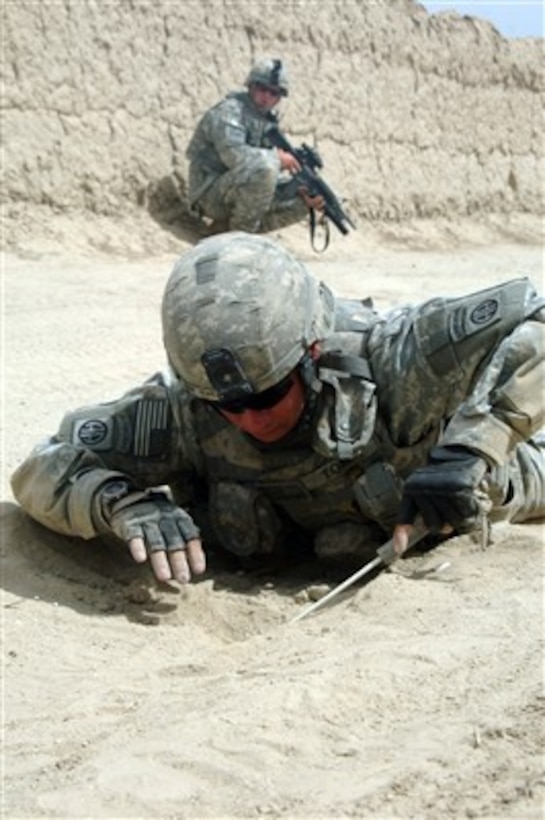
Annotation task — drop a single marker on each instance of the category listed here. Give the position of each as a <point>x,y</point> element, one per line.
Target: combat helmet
<point>239,314</point>
<point>270,72</point>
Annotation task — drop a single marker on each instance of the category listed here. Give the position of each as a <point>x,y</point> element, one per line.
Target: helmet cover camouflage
<point>239,313</point>
<point>270,72</point>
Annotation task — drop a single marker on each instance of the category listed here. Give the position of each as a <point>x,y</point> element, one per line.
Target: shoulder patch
<point>96,434</point>
<point>468,319</point>
<point>235,133</point>
<point>484,312</point>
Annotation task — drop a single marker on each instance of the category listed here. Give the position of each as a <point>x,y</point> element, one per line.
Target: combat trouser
<point>517,488</point>
<point>253,197</point>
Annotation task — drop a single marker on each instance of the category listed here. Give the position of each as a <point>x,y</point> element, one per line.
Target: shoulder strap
<point>351,365</point>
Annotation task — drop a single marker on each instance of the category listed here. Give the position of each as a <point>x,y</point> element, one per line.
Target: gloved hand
<point>152,525</point>
<point>449,490</point>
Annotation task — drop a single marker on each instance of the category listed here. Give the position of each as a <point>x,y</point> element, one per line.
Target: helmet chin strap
<point>308,370</point>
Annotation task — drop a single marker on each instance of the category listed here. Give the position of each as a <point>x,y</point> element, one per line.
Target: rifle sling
<point>312,227</point>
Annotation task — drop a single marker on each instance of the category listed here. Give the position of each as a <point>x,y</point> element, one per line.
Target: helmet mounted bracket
<point>226,375</point>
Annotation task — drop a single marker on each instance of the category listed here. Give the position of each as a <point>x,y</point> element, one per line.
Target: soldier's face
<point>270,424</point>
<point>264,97</point>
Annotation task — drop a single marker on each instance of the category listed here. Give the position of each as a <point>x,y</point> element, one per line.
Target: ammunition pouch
<point>378,494</point>
<point>243,520</point>
<point>349,412</point>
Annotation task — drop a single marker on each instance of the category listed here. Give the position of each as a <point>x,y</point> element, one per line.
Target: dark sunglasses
<point>274,92</point>
<point>259,401</point>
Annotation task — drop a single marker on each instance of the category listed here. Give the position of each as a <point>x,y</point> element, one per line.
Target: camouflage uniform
<point>234,172</point>
<point>453,371</point>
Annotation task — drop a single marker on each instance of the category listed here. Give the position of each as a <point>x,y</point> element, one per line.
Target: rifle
<point>310,162</point>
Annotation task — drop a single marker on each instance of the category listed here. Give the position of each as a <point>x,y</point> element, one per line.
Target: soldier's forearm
<point>57,484</point>
<point>507,405</point>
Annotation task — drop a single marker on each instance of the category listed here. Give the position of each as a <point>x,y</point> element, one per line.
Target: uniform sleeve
<point>506,406</point>
<point>227,132</point>
<point>144,438</point>
<point>466,371</point>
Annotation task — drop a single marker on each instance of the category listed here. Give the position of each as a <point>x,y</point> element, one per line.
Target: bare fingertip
<point>138,554</point>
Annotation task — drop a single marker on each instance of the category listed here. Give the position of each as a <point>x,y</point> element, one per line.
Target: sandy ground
<point>416,695</point>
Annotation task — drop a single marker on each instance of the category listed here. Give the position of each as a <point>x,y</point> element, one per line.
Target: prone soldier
<point>290,414</point>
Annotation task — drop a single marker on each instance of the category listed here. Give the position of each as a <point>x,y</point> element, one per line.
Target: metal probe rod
<point>386,555</point>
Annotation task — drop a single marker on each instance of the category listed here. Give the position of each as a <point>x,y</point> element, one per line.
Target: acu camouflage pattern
<point>247,295</point>
<point>270,72</point>
<point>432,374</point>
<point>234,172</point>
